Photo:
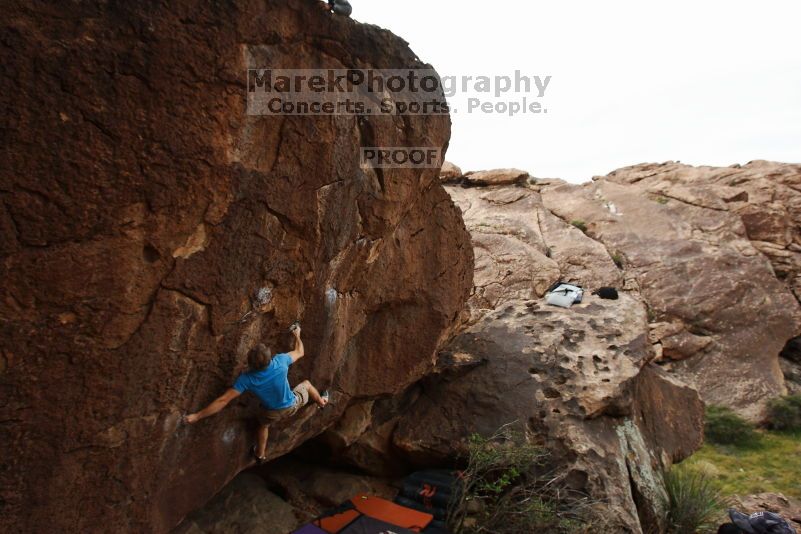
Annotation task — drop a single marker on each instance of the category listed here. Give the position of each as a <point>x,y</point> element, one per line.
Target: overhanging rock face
<point>145,214</point>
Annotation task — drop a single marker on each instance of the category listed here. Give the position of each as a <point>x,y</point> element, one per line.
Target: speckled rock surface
<point>715,253</point>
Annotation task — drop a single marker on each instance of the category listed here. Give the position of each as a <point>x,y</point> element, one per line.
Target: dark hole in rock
<point>551,393</point>
<point>792,350</point>
<point>790,363</point>
<point>150,254</point>
<point>576,479</point>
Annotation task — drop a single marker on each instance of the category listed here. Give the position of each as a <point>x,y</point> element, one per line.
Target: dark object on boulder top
<point>341,7</point>
<point>729,528</point>
<point>606,293</point>
<point>761,523</point>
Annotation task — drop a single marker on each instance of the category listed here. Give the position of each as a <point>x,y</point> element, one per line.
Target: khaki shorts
<point>301,392</point>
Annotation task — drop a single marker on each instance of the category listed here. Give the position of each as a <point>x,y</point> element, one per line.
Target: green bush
<point>693,503</point>
<point>724,427</point>
<point>502,493</point>
<point>617,257</point>
<point>784,413</point>
<point>581,225</point>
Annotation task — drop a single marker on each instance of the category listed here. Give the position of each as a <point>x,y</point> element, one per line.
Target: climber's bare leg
<point>314,395</point>
<point>261,444</point>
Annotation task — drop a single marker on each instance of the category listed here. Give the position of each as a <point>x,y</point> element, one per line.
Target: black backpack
<point>606,293</point>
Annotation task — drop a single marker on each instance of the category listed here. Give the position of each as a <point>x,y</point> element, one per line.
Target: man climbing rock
<point>267,379</point>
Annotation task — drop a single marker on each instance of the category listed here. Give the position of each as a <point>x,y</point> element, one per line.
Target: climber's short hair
<point>259,357</point>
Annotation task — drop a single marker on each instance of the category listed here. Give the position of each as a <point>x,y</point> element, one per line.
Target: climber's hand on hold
<point>323,400</point>
<point>297,351</point>
<point>191,418</point>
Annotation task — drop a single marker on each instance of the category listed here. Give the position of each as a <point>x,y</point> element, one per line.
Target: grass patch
<point>774,465</point>
<point>784,413</point>
<point>694,501</point>
<point>617,257</point>
<point>724,427</point>
<point>581,225</point>
<point>661,200</point>
<point>503,494</point>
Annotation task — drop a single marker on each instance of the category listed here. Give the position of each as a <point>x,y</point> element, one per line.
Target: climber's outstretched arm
<point>297,353</point>
<point>218,404</point>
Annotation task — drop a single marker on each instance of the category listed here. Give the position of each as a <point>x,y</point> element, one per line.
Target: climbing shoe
<point>259,459</point>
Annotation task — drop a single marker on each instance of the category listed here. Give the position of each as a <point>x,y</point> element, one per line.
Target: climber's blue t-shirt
<point>270,384</point>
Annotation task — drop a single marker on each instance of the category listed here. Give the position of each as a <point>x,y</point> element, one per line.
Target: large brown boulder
<point>244,506</point>
<point>144,214</point>
<point>315,488</point>
<point>716,254</point>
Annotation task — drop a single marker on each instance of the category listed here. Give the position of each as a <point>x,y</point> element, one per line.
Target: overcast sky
<point>704,82</point>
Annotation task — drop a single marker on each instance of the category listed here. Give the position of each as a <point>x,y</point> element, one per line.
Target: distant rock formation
<point>716,255</point>
<point>452,173</point>
<point>496,177</point>
<point>152,233</point>
<point>449,171</point>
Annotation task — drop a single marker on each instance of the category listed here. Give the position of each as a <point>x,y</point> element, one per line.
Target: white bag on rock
<point>564,295</point>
